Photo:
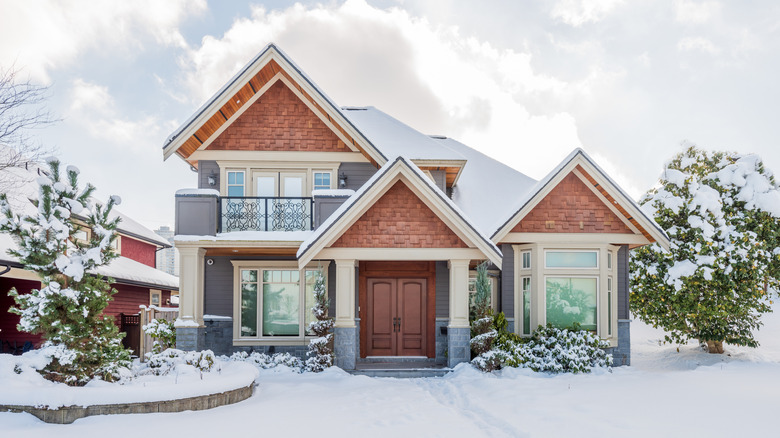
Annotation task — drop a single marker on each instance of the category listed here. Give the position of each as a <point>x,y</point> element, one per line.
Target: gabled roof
<point>351,210</point>
<point>600,181</point>
<point>237,94</point>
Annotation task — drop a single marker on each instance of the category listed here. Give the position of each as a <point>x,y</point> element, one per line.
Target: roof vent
<point>438,137</point>
<point>354,108</point>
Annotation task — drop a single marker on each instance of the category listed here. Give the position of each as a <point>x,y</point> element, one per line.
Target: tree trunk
<point>715,347</point>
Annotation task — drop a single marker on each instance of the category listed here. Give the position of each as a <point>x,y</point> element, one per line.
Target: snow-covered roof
<point>121,269</point>
<point>23,187</point>
<point>486,186</point>
<point>395,138</point>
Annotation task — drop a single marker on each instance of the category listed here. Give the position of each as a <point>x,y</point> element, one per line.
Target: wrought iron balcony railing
<point>265,214</point>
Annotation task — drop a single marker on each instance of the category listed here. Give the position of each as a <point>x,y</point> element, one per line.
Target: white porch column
<point>191,286</point>
<point>459,293</point>
<point>345,293</point>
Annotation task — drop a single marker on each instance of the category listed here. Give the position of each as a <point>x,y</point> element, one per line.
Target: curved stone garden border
<point>69,414</point>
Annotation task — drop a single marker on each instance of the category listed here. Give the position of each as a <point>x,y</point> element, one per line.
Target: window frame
<point>563,250</point>
<point>228,185</point>
<point>301,338</point>
<point>314,173</point>
<point>492,277</point>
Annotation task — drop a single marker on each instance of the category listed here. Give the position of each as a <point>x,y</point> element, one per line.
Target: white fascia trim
<point>584,238</point>
<point>264,157</point>
<point>394,254</point>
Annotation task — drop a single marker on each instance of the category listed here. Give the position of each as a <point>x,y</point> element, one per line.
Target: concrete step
<point>402,373</point>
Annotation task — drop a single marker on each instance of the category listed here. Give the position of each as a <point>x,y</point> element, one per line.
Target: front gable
<point>399,219</point>
<point>571,207</point>
<point>193,140</point>
<point>278,121</point>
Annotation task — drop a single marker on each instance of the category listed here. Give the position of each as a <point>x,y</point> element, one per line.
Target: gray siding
<point>442,290</point>
<point>440,179</point>
<point>206,168</point>
<point>218,287</point>
<point>357,173</point>
<point>622,280</point>
<point>508,281</point>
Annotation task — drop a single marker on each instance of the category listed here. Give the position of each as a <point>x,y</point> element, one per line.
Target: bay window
<point>562,284</point>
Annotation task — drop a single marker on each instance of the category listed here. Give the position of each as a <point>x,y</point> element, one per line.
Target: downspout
<point>5,270</point>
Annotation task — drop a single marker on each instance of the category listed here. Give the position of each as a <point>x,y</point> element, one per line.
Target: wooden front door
<point>396,316</point>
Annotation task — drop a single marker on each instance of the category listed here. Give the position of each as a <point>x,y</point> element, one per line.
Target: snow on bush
<point>267,361</point>
<point>67,311</point>
<point>549,349</point>
<point>320,354</point>
<point>721,212</point>
<point>161,364</point>
<point>163,332</point>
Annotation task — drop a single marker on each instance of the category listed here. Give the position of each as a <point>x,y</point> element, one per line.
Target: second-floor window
<point>321,180</point>
<point>235,183</point>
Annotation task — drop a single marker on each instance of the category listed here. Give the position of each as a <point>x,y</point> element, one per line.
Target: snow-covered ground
<point>665,393</point>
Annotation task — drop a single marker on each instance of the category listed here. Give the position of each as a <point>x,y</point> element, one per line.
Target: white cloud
<point>691,12</point>
<point>41,36</point>
<point>93,107</point>
<point>430,77</point>
<point>701,44</point>
<point>579,12</point>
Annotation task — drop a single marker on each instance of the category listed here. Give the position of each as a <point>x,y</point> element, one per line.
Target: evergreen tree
<point>483,332</point>
<point>68,309</point>
<point>320,348</point>
<point>721,212</point>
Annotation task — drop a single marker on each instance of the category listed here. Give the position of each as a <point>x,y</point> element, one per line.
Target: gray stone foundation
<point>441,341</point>
<point>190,338</point>
<point>345,346</point>
<point>219,335</point>
<point>458,349</point>
<point>622,353</point>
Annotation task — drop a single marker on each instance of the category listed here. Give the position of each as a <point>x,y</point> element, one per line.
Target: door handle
<point>395,324</point>
<point>399,324</point>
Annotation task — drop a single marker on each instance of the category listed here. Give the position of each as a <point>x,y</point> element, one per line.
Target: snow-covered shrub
<point>68,310</point>
<point>266,361</point>
<point>320,348</point>
<point>164,362</point>
<point>557,350</point>
<point>722,214</point>
<point>163,332</point>
<point>549,349</point>
<point>483,333</point>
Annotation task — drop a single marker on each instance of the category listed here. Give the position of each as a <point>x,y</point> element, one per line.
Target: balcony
<point>265,214</point>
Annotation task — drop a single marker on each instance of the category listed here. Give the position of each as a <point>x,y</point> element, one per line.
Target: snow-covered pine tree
<point>320,348</point>
<point>722,214</point>
<point>68,310</point>
<point>483,333</point>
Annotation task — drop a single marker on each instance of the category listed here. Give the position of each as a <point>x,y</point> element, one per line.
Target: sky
<point>525,82</point>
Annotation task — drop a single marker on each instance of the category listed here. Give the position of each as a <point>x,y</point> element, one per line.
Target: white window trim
<point>313,180</point>
<point>539,271</point>
<point>226,186</point>
<point>302,338</point>
<point>153,292</point>
<point>250,167</point>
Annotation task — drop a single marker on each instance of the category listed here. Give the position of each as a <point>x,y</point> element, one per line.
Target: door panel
<point>411,299</point>
<point>381,305</point>
<point>396,317</point>
<point>292,184</point>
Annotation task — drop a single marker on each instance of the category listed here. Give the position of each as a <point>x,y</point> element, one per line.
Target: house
<point>290,184</point>
<point>136,280</point>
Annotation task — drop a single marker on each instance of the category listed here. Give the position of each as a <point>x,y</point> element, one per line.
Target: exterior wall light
<point>342,180</point>
<point>212,180</point>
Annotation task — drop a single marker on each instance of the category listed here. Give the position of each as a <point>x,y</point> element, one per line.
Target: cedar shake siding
<point>141,252</point>
<point>399,219</point>
<point>571,207</point>
<point>278,121</point>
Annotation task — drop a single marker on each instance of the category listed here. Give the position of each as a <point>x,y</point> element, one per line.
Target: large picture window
<point>570,300</point>
<point>274,302</point>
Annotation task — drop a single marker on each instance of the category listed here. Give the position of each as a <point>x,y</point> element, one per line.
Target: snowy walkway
<point>665,393</point>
